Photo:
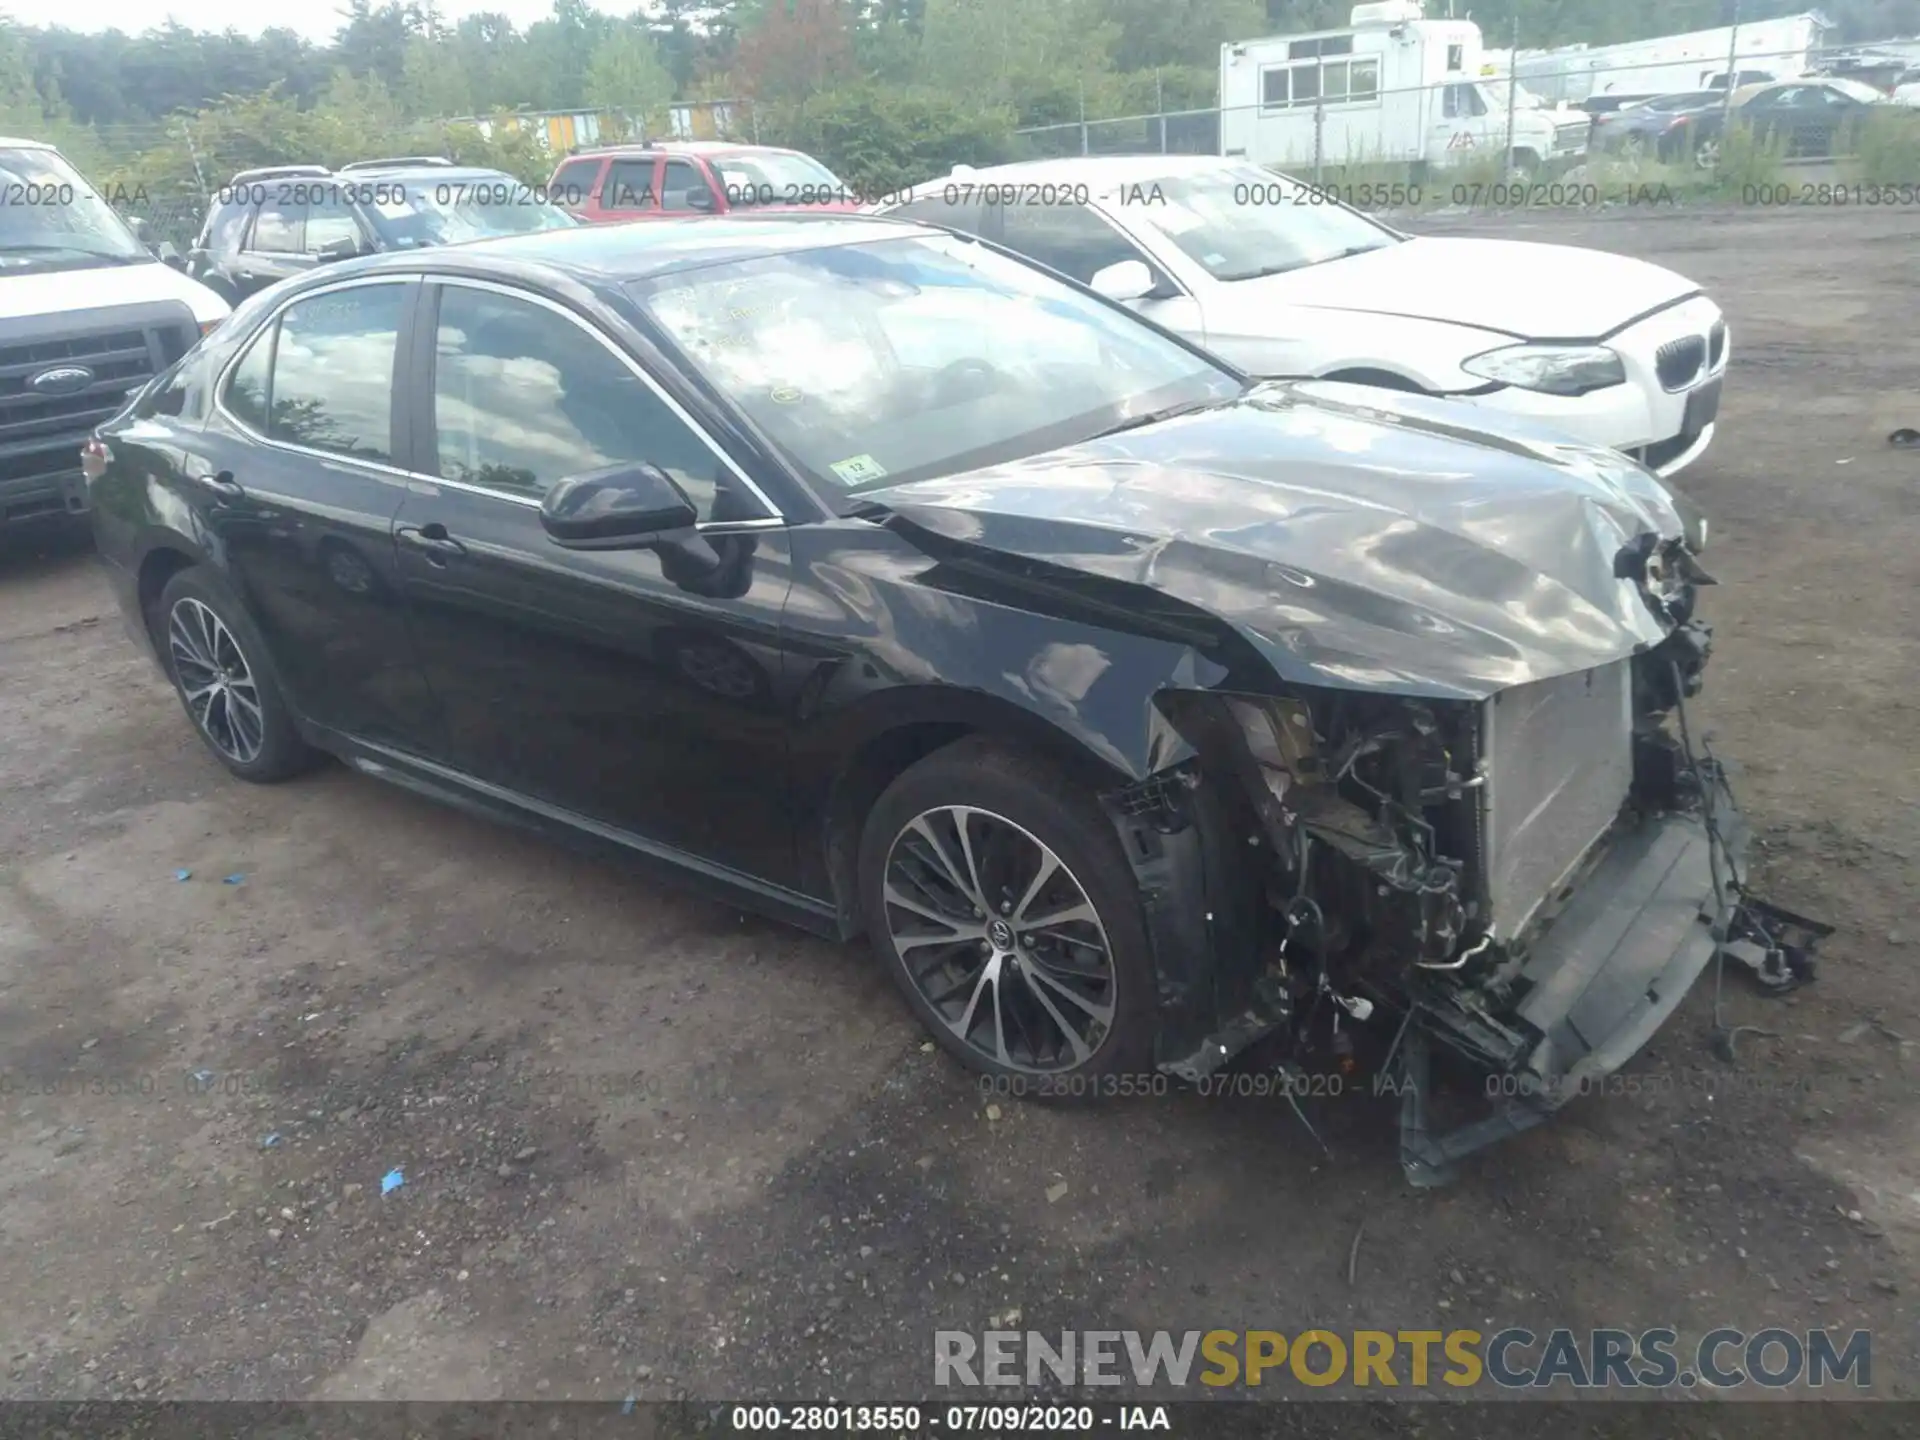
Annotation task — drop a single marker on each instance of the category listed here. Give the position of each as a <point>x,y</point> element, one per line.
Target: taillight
<point>94,458</point>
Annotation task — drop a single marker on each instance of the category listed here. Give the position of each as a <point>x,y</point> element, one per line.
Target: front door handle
<point>223,486</point>
<point>432,540</point>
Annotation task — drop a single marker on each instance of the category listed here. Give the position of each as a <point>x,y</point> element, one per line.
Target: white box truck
<point>1393,86</point>
<point>1761,50</point>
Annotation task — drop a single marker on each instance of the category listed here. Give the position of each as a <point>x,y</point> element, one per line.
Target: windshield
<point>1858,90</point>
<point>472,207</point>
<point>776,178</point>
<point>50,217</point>
<point>1241,222</point>
<point>903,359</point>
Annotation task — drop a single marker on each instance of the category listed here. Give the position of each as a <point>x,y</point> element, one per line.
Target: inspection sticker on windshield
<point>858,470</point>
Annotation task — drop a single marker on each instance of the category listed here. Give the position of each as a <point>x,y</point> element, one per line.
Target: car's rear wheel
<point>996,893</point>
<point>219,667</point>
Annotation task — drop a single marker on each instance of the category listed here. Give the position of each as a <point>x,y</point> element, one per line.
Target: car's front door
<point>641,688</point>
<point>296,478</point>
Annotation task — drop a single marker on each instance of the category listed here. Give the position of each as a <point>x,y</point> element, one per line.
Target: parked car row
<point>1805,118</point>
<point>1159,613</point>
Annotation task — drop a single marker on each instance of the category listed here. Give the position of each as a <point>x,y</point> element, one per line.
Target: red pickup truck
<point>653,181</point>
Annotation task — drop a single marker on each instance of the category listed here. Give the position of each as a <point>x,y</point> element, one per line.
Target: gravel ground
<point>653,1147</point>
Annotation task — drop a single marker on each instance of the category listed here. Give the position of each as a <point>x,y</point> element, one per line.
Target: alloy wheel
<point>216,681</point>
<point>1000,940</point>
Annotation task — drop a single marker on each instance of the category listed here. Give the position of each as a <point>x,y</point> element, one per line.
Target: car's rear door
<point>631,190</point>
<point>627,687</point>
<point>296,483</point>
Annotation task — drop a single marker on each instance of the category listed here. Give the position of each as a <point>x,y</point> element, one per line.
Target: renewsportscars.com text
<point>1510,1359</point>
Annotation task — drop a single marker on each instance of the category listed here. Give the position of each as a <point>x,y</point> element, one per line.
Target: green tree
<point>625,73</point>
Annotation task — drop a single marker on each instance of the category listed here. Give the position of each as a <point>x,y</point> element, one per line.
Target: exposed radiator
<point>1559,766</point>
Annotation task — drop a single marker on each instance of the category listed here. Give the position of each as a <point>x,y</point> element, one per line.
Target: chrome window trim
<point>773,519</point>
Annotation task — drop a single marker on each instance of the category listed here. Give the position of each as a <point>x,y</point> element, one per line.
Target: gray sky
<point>316,21</point>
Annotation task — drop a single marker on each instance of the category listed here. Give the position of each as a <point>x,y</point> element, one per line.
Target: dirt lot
<point>652,1147</point>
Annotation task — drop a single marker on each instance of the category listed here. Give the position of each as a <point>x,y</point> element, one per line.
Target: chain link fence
<point>1344,122</point>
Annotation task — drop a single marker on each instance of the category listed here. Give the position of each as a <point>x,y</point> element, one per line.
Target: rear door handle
<point>223,485</point>
<point>432,540</point>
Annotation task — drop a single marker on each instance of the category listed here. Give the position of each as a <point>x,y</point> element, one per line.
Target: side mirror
<point>1127,280</point>
<point>169,254</point>
<point>627,507</point>
<point>345,248</point>
<point>700,199</point>
<point>138,224</point>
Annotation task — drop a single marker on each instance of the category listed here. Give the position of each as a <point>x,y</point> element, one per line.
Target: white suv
<point>1284,282</point>
<point>87,314</point>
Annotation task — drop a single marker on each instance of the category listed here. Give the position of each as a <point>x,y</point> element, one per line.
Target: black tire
<point>1039,799</point>
<point>265,751</point>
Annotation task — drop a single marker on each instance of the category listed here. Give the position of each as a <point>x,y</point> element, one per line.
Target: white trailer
<point>1698,60</point>
<point>1393,86</point>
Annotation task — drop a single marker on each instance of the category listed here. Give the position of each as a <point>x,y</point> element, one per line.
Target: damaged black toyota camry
<point>1145,718</point>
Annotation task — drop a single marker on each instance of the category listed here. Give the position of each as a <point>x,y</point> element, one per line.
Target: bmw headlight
<point>1550,369</point>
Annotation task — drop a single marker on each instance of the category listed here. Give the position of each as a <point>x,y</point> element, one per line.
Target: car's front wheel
<point>996,892</point>
<point>219,667</point>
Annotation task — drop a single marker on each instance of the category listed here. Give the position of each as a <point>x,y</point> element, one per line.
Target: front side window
<point>1068,238</point>
<point>1241,222</point>
<point>524,397</point>
<point>330,221</point>
<point>920,355</point>
<point>683,187</point>
<point>329,384</point>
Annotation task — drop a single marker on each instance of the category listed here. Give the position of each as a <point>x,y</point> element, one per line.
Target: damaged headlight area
<point>1527,884</point>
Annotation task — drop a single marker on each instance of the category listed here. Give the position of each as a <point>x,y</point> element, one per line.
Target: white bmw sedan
<point>1285,282</point>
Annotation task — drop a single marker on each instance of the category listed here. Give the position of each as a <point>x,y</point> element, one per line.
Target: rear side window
<point>246,394</point>
<point>573,182</point>
<point>322,375</point>
<point>629,186</point>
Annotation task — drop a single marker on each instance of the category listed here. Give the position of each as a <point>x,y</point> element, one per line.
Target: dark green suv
<point>269,224</point>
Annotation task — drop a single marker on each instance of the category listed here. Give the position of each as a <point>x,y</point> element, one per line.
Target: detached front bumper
<point>1614,965</point>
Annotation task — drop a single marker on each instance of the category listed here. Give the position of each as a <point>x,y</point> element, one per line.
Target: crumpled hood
<point>1357,538</point>
<point>1517,287</point>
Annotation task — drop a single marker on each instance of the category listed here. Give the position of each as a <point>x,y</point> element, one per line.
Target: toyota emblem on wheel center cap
<point>1001,934</point>
<point>61,380</point>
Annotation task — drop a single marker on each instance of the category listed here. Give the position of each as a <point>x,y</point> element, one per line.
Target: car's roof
<point>1099,173</point>
<point>15,142</point>
<point>681,147</point>
<point>618,253</point>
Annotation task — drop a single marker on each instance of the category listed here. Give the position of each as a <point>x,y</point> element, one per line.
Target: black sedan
<point>873,577</point>
<point>1802,118</point>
